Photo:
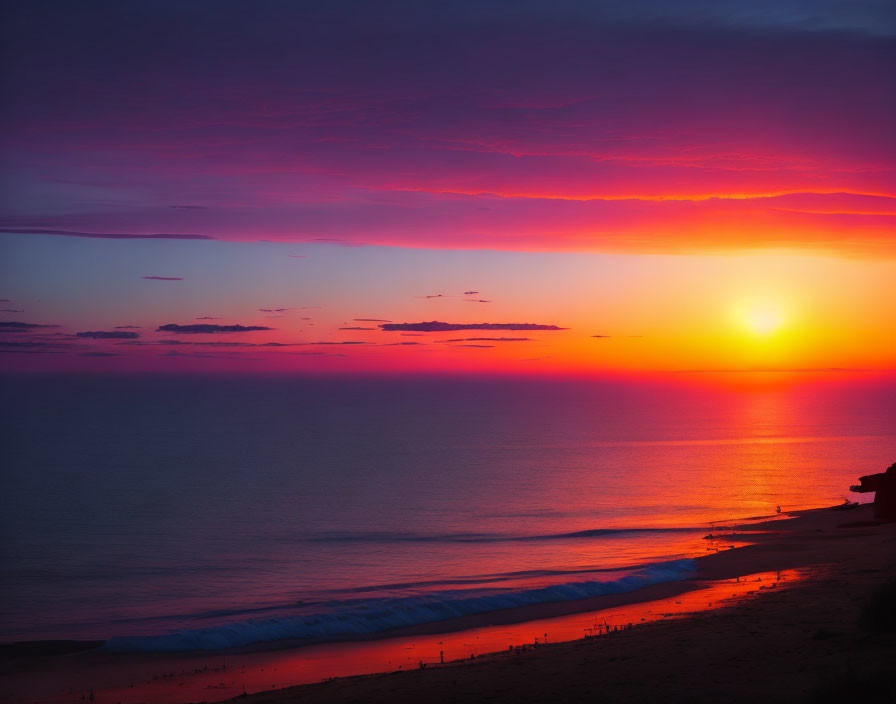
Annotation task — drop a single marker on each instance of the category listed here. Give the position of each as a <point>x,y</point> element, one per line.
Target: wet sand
<point>785,606</point>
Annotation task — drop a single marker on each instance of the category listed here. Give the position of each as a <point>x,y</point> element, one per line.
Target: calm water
<point>234,511</point>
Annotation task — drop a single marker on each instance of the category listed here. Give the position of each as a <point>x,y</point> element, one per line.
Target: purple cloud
<point>318,354</point>
<point>14,326</point>
<point>108,335</point>
<point>437,326</point>
<point>208,328</point>
<point>491,339</point>
<point>101,235</point>
<point>218,343</point>
<point>163,278</point>
<point>178,353</point>
<point>42,350</point>
<point>344,342</point>
<point>32,345</point>
<point>373,113</point>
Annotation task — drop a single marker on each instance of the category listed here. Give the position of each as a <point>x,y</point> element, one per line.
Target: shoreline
<point>801,643</point>
<point>62,646</point>
<point>802,542</point>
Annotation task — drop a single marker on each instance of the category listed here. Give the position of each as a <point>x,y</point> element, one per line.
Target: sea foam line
<point>364,617</point>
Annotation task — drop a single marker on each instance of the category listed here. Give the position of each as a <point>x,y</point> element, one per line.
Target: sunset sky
<point>617,187</point>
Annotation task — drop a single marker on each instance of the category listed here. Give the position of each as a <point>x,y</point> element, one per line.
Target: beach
<point>785,603</point>
<point>798,643</point>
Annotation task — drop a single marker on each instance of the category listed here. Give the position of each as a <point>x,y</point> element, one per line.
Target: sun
<point>764,320</point>
<point>760,319</point>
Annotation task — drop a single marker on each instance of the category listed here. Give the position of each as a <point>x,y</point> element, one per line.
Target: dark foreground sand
<point>797,644</point>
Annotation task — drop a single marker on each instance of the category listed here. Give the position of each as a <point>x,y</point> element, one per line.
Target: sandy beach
<point>785,603</point>
<point>803,642</point>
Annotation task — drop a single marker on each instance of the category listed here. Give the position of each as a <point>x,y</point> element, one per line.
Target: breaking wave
<point>355,618</point>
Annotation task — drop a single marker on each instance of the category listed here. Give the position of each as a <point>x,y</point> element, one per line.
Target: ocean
<point>183,513</point>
